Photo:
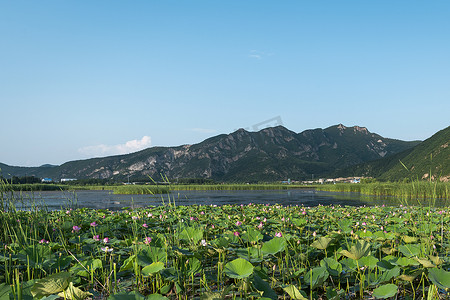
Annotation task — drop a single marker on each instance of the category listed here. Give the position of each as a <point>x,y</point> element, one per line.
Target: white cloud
<point>105,150</point>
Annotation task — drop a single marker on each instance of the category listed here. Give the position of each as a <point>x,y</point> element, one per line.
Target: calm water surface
<point>107,200</point>
<point>55,200</point>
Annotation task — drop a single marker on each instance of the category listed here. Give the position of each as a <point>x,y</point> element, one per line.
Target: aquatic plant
<point>250,251</point>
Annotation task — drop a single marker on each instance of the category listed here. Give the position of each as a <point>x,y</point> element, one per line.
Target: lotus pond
<point>251,251</point>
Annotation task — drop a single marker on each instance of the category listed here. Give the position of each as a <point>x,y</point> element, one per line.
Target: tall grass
<point>411,190</point>
<point>140,189</point>
<point>230,187</point>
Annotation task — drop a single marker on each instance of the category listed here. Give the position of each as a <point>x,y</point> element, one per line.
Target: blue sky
<point>81,79</point>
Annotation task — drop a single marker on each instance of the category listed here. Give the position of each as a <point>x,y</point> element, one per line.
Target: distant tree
<point>24,180</point>
<point>194,181</point>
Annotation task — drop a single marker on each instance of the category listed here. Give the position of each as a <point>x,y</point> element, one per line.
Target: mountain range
<point>271,154</point>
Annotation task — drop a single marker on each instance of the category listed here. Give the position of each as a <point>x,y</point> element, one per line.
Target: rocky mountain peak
<point>360,129</point>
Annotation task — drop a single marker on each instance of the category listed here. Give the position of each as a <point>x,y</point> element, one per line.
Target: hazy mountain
<point>274,153</point>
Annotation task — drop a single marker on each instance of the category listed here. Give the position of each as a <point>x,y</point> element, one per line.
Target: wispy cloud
<point>255,54</point>
<point>202,130</point>
<point>105,150</point>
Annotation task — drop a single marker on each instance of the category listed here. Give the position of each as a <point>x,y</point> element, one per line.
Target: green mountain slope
<point>429,158</point>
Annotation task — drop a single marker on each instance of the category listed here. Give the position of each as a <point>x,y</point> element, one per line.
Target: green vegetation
<point>408,190</point>
<point>140,189</point>
<point>232,187</point>
<point>135,189</point>
<point>227,252</point>
<point>32,187</point>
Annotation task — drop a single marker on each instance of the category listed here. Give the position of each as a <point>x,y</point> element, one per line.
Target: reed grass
<point>140,189</point>
<point>411,190</point>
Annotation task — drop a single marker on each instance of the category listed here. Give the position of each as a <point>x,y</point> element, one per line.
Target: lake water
<point>55,200</point>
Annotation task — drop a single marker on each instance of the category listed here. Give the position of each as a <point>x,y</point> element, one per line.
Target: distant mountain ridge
<point>274,153</point>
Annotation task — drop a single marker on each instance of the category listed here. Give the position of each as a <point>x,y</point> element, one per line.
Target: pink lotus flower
<point>260,225</point>
<point>238,223</point>
<point>278,234</point>
<point>147,240</point>
<point>236,233</point>
<point>106,240</point>
<point>93,224</point>
<point>75,228</point>
<point>145,225</point>
<point>96,238</point>
<point>43,241</point>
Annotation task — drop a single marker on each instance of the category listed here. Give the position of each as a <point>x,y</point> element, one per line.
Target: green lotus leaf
<point>74,293</point>
<point>264,287</point>
<point>369,261</point>
<point>273,246</point>
<point>127,296</point>
<point>153,268</point>
<point>238,268</point>
<point>252,235</point>
<point>385,265</point>
<point>425,262</point>
<point>410,277</point>
<point>299,222</point>
<point>333,294</point>
<point>322,243</point>
<point>436,260</point>
<point>359,249</point>
<point>149,255</point>
<point>381,236</point>
<point>128,264</point>
<point>364,234</point>
<point>385,291</point>
<point>193,266</point>
<point>345,225</point>
<point>410,250</point>
<point>388,251</point>
<point>251,254</point>
<point>191,234</point>
<point>387,275</point>
<point>333,266</point>
<point>409,239</point>
<point>294,293</point>
<point>52,284</point>
<point>156,297</point>
<point>440,278</point>
<point>405,261</point>
<point>316,277</point>
<point>5,289</point>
